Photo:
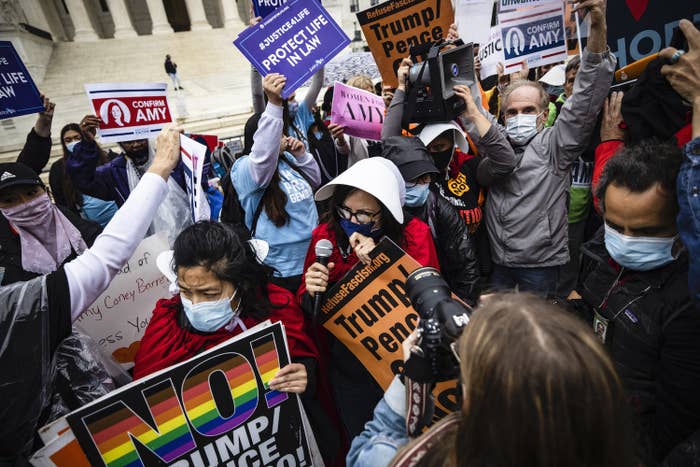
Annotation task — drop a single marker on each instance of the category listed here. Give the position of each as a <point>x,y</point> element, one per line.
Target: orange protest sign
<point>393,27</point>
<point>369,311</point>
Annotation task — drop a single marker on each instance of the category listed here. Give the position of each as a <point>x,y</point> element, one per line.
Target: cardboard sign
<point>120,315</point>
<point>473,18</point>
<point>296,41</point>
<point>129,111</point>
<point>491,53</point>
<point>360,112</point>
<point>392,28</point>
<point>214,409</point>
<point>535,35</point>
<point>18,93</point>
<point>193,155</point>
<point>369,312</point>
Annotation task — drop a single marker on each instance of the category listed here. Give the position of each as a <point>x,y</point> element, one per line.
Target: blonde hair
<point>363,82</point>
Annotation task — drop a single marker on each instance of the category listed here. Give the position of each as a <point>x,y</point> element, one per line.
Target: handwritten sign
<point>360,112</point>
<point>129,111</point>
<point>369,311</point>
<point>18,93</point>
<point>392,28</point>
<point>120,315</point>
<point>535,35</point>
<point>214,409</point>
<point>296,41</point>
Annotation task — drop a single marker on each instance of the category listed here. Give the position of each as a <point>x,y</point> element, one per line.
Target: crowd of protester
<point>566,215</point>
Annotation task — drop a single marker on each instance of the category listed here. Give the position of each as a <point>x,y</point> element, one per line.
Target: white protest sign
<point>510,5</point>
<point>118,318</point>
<point>361,113</point>
<point>193,154</point>
<point>129,111</point>
<point>536,36</point>
<point>491,53</point>
<point>473,18</point>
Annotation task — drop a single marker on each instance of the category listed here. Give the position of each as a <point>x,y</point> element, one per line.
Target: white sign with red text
<point>192,154</point>
<point>129,111</point>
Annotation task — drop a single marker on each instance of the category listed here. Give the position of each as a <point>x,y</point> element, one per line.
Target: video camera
<point>442,319</point>
<point>430,95</point>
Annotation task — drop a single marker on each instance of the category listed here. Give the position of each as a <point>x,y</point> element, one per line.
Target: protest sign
<point>193,155</point>
<point>509,5</point>
<point>392,28</point>
<point>129,111</point>
<point>640,28</point>
<point>473,18</point>
<point>213,409</point>
<point>369,312</point>
<point>360,112</point>
<point>491,53</point>
<point>61,451</point>
<point>534,35</point>
<point>18,93</point>
<point>264,8</point>
<point>118,318</point>
<point>296,41</point>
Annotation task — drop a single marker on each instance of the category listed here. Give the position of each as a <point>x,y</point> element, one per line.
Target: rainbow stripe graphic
<point>268,363</point>
<point>199,403</point>
<point>112,428</point>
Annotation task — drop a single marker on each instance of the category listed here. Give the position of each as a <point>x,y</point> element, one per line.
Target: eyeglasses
<point>362,217</point>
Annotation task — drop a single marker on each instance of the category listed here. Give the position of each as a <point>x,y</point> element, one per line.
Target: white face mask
<point>522,127</point>
<point>210,316</point>
<point>70,146</point>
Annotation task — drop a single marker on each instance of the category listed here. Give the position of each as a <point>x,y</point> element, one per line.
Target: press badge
<point>601,326</point>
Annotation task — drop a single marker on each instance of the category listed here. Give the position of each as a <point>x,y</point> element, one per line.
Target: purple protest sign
<point>360,112</point>
<point>296,40</point>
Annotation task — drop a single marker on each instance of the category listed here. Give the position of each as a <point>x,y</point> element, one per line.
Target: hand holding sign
<point>89,124</point>
<point>362,246</point>
<point>42,127</point>
<point>273,85</point>
<point>167,151</point>
<point>684,74</point>
<point>291,378</point>
<point>402,73</point>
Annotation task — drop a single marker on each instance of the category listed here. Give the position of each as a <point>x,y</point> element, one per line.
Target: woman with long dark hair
<point>64,191</point>
<point>538,390</point>
<point>275,184</point>
<point>365,205</point>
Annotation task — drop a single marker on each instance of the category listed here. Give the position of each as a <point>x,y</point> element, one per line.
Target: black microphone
<point>323,250</point>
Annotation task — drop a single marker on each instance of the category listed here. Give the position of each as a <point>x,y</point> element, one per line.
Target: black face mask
<point>442,159</point>
<point>139,157</point>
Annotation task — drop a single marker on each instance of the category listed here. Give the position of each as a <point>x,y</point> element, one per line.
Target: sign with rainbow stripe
<point>214,409</point>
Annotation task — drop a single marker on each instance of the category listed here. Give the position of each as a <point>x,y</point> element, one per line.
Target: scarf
<point>46,236</point>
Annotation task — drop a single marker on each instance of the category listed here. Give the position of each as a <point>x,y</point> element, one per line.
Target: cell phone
<point>624,86</point>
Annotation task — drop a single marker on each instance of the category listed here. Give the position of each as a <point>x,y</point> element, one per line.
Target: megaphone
<point>431,82</point>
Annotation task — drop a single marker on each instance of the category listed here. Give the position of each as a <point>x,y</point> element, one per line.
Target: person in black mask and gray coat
<point>455,247</point>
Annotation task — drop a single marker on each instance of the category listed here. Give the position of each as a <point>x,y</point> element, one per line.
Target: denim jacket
<point>385,434</point>
<point>689,214</point>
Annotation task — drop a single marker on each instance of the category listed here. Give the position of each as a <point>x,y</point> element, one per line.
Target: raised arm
<point>89,177</point>
<point>256,90</point>
<point>90,273</point>
<point>315,88</point>
<point>394,113</point>
<point>37,147</point>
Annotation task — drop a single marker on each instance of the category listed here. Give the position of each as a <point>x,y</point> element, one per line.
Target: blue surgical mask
<point>210,316</point>
<point>70,146</point>
<point>417,195</point>
<point>522,128</point>
<point>366,230</point>
<point>639,253</point>
<point>293,108</point>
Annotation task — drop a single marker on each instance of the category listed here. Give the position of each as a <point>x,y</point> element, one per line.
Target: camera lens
<point>426,288</point>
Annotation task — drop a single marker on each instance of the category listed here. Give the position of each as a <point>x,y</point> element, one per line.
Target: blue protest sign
<point>535,35</point>
<point>296,40</point>
<point>18,93</point>
<point>263,8</point>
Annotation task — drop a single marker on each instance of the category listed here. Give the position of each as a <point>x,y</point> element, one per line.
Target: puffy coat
<point>653,337</point>
<point>454,245</point>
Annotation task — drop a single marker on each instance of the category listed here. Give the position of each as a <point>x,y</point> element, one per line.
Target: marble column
<point>158,17</point>
<point>120,17</point>
<point>81,22</point>
<point>198,19</point>
<point>230,13</point>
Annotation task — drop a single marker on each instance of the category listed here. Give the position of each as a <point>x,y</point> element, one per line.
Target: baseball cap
<point>16,173</point>
<point>410,156</point>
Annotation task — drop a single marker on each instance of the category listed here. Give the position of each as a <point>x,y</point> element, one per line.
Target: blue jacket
<point>108,181</point>
<point>689,214</point>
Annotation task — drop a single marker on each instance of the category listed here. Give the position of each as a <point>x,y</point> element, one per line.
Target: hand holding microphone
<point>316,277</point>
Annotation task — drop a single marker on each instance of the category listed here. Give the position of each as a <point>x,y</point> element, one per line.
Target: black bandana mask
<point>139,157</point>
<point>442,159</point>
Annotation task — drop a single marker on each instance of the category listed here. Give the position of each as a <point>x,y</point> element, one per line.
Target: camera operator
<point>538,389</point>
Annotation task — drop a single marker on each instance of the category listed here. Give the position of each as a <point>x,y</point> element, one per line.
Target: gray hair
<point>544,97</point>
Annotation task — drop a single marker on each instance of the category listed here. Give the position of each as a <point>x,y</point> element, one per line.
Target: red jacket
<point>418,243</point>
<point>165,343</point>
